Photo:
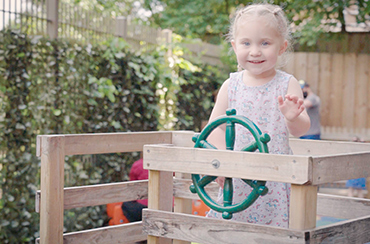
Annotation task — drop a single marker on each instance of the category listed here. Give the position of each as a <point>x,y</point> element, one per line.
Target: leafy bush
<point>59,87</point>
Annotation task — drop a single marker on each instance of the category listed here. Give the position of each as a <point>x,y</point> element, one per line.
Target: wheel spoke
<point>206,180</point>
<point>230,135</point>
<point>251,147</point>
<point>228,192</point>
<point>206,144</point>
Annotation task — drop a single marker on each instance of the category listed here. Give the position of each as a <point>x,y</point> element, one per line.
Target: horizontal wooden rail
<point>94,195</point>
<point>99,143</point>
<point>125,233</point>
<point>209,231</point>
<point>321,147</point>
<point>327,169</point>
<point>294,169</point>
<point>349,231</point>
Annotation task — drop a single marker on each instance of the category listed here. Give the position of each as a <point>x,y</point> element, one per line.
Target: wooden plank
<point>349,94</point>
<point>300,65</point>
<point>94,195</point>
<point>325,87</point>
<point>282,168</point>
<point>182,205</point>
<point>125,233</point>
<point>52,183</point>
<point>362,91</point>
<point>210,231</point>
<point>303,205</point>
<point>182,138</point>
<point>106,193</point>
<point>313,68</point>
<point>350,231</point>
<point>289,67</point>
<point>336,90</point>
<point>338,167</point>
<point>342,207</point>
<point>160,191</point>
<point>317,147</point>
<point>79,144</point>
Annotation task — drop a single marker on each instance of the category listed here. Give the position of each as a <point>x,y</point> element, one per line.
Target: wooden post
<point>160,197</point>
<point>121,27</point>
<point>182,205</point>
<point>303,205</point>
<point>52,187</point>
<point>52,18</point>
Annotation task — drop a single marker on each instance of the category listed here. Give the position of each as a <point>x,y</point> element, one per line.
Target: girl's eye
<point>246,43</point>
<point>265,43</point>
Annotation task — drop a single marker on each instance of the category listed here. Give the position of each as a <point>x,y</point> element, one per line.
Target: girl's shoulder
<point>235,75</point>
<point>283,75</point>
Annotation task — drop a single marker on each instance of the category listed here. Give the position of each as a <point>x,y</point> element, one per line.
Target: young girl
<point>271,98</point>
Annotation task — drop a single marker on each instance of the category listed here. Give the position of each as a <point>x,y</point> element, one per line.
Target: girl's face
<point>257,46</point>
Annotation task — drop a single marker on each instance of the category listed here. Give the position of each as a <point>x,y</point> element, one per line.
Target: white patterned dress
<point>260,105</point>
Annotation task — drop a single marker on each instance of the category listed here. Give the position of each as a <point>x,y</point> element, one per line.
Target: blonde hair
<point>277,19</point>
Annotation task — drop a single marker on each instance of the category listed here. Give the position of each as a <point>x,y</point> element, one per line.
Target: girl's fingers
<point>280,100</point>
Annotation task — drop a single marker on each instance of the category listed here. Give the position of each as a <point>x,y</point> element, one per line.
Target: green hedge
<point>61,87</point>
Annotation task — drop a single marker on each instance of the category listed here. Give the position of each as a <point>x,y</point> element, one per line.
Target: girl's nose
<point>255,51</point>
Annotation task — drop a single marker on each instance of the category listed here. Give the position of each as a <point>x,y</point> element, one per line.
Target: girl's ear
<point>283,47</point>
<point>233,45</point>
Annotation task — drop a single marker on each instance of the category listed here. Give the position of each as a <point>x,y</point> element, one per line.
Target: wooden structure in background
<point>342,81</point>
<point>315,162</point>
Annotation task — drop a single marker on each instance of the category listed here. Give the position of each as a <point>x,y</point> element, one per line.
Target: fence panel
<point>343,83</point>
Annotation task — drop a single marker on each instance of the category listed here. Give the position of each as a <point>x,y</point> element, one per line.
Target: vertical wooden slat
<point>289,67</point>
<point>324,87</point>
<point>313,68</point>
<point>348,95</point>
<point>303,206</point>
<point>300,65</point>
<point>52,185</point>
<point>336,91</point>
<point>52,16</point>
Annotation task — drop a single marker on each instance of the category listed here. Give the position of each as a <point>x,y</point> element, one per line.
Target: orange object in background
<point>199,208</point>
<point>114,211</point>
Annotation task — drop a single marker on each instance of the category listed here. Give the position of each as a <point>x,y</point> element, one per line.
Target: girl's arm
<point>296,117</point>
<point>217,137</point>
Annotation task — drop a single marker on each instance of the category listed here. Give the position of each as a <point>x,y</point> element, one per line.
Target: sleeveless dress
<point>260,105</point>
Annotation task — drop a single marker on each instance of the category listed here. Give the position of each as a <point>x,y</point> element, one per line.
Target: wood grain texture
<point>281,168</point>
<point>323,147</point>
<point>125,233</point>
<point>351,231</point>
<point>347,166</point>
<point>210,231</point>
<point>52,184</point>
<point>99,143</point>
<point>303,205</point>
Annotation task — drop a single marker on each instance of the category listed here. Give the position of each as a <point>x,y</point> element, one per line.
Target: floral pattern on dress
<point>260,105</point>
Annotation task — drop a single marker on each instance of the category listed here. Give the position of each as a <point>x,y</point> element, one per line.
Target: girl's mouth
<point>256,62</point>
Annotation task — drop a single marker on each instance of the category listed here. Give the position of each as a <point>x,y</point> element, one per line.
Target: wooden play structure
<point>313,163</point>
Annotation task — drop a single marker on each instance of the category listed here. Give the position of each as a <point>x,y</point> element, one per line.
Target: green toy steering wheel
<point>260,143</point>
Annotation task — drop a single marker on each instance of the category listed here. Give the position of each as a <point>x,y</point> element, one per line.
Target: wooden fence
<point>343,83</point>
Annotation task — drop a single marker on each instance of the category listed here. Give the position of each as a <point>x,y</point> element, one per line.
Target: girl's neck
<point>258,80</point>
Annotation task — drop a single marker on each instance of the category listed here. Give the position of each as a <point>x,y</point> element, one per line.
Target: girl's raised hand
<point>291,107</point>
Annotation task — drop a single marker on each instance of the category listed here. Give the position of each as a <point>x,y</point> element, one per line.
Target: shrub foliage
<point>62,87</point>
